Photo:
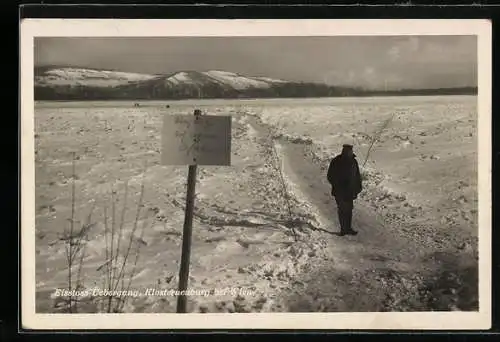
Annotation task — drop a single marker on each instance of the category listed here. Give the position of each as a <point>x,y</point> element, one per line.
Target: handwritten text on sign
<point>196,140</point>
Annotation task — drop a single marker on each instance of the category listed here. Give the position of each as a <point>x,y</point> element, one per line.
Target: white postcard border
<point>31,28</point>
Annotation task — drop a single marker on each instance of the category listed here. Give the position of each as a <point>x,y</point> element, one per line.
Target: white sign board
<point>196,140</point>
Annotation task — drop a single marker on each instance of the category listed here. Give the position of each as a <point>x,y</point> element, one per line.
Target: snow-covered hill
<point>71,83</point>
<point>223,78</point>
<point>241,82</point>
<point>89,77</point>
<point>75,83</point>
<point>105,78</point>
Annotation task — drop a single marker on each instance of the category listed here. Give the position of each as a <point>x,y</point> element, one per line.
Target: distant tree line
<point>159,90</point>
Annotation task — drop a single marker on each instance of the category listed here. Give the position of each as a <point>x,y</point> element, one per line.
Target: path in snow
<point>383,268</point>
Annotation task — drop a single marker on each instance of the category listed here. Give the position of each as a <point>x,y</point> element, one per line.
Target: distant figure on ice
<point>345,179</point>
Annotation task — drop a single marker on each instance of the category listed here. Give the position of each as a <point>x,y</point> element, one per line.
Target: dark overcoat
<point>344,177</point>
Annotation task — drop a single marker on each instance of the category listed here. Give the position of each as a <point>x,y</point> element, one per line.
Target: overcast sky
<point>371,62</point>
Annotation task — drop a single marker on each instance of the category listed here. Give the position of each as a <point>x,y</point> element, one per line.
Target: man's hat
<point>347,147</point>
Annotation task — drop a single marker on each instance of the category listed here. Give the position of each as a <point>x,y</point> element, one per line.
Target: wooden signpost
<point>193,140</point>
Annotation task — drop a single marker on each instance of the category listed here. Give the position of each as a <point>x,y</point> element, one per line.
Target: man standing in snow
<point>345,179</point>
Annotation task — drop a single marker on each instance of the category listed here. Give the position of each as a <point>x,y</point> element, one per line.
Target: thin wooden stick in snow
<point>377,136</point>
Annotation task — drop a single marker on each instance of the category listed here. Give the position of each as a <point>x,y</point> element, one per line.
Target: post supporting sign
<point>186,239</point>
<point>193,140</point>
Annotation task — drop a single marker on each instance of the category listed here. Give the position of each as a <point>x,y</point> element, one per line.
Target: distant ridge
<point>75,83</point>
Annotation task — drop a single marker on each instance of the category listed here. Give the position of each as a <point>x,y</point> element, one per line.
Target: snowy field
<point>417,215</point>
